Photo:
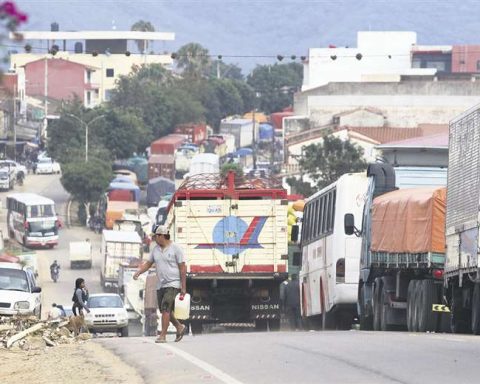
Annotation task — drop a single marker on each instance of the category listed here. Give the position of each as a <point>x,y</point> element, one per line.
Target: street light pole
<point>86,130</point>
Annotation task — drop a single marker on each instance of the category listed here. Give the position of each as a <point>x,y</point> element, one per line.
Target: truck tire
<point>376,305</point>
<point>366,323</point>
<point>384,308</point>
<point>415,304</point>
<point>459,316</point>
<point>274,325</point>
<point>123,332</point>
<point>476,309</point>
<point>410,304</point>
<point>261,325</point>
<point>197,327</point>
<point>427,319</point>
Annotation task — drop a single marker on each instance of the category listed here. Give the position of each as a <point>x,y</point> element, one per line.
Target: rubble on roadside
<point>29,333</point>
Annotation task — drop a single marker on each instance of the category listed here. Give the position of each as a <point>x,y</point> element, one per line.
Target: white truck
<point>118,247</point>
<point>241,129</point>
<point>462,269</point>
<point>234,235</point>
<point>80,254</point>
<point>204,163</point>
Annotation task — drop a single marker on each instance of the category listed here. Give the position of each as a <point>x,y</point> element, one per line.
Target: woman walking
<point>80,297</point>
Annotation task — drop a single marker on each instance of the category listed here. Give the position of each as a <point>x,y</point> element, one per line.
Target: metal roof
<point>31,198</point>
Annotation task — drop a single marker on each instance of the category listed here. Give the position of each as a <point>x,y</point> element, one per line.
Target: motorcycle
<point>55,272</point>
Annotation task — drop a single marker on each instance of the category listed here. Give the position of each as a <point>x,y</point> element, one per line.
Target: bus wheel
<point>476,310</point>
<point>366,323</point>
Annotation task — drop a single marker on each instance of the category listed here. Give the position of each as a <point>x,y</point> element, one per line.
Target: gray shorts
<point>166,298</point>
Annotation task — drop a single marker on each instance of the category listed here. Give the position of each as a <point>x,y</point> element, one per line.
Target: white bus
<point>32,220</point>
<point>330,259</point>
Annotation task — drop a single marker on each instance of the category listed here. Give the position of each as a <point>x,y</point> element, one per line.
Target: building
<point>61,79</point>
<point>105,55</point>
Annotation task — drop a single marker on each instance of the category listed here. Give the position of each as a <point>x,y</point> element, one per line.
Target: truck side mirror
<point>349,224</point>
<point>294,235</point>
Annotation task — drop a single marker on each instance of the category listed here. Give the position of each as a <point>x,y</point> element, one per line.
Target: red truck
<point>196,132</point>
<point>161,165</point>
<point>167,145</point>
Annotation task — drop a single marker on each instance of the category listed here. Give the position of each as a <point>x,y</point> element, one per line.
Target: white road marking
<point>219,374</point>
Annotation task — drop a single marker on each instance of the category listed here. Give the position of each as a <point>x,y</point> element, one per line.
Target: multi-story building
<point>104,56</point>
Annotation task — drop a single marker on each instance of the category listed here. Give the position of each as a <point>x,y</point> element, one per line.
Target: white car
<point>107,314</point>
<point>17,167</point>
<point>7,178</point>
<point>46,165</point>
<point>19,293</point>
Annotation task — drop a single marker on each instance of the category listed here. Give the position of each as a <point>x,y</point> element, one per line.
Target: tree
<point>143,26</point>
<point>86,182</point>
<point>326,162</point>
<point>275,85</point>
<point>194,60</point>
<point>221,70</point>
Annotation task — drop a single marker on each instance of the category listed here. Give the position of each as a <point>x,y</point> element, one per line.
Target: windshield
<point>45,161</point>
<point>105,302</point>
<point>4,175</point>
<point>41,210</point>
<point>13,280</point>
<point>42,228</point>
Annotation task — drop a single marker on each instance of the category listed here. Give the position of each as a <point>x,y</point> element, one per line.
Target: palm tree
<point>143,26</point>
<point>194,60</point>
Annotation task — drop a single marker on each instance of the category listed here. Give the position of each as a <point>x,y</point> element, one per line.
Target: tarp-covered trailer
<point>157,188</point>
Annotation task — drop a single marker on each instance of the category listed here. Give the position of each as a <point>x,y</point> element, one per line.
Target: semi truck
<point>402,255</point>
<point>233,232</point>
<point>462,273</point>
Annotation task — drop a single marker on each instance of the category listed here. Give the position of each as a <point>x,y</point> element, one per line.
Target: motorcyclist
<point>20,177</point>
<point>54,270</point>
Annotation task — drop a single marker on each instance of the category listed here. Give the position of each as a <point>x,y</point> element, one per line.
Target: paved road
<point>305,357</point>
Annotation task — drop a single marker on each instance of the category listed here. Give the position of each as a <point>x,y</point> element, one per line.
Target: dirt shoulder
<point>68,363</point>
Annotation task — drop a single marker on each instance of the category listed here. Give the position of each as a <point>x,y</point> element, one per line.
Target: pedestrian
<point>80,298</point>
<point>171,278</point>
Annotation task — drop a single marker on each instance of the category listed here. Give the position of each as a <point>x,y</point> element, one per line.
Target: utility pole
<point>45,106</point>
<point>14,115</point>
<point>254,144</point>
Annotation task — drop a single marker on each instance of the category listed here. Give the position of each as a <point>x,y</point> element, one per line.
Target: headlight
<point>21,305</point>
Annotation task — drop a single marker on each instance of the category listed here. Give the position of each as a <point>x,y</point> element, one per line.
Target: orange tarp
<point>115,211</point>
<point>409,221</point>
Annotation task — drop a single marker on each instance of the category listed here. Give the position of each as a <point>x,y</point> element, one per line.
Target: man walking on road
<point>171,274</point>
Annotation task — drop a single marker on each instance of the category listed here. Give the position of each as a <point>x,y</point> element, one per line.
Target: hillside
<point>264,27</point>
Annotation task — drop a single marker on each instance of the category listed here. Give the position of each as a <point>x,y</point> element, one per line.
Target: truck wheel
<point>383,308</point>
<point>427,319</point>
<point>274,325</point>
<point>476,310</point>
<point>459,319</point>
<point>376,305</point>
<point>410,304</point>
<point>261,325</point>
<point>415,305</point>
<point>123,332</point>
<point>366,323</point>
<point>196,327</point>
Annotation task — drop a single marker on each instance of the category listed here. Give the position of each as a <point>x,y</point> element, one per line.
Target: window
<point>108,94</point>
<point>110,72</point>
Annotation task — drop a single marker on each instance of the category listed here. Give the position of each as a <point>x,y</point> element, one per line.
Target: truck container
<point>80,254</point>
<point>234,236</point>
<point>133,189</point>
<point>121,195</point>
<point>204,163</point>
<point>196,132</point>
<point>403,254</point>
<point>241,129</point>
<point>462,270</point>
<point>167,144</point>
<point>161,165</point>
<point>118,247</point>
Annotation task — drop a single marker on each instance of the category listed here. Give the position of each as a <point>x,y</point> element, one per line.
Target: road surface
<point>333,357</point>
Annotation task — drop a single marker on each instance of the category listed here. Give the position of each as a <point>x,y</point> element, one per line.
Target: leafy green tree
<point>86,181</point>
<point>221,70</point>
<point>275,85</point>
<point>227,167</point>
<point>231,102</point>
<point>143,26</point>
<point>327,161</point>
<point>194,60</point>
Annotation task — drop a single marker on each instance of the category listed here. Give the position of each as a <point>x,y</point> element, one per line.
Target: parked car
<point>7,178</point>
<point>19,293</point>
<point>46,165</point>
<point>107,314</point>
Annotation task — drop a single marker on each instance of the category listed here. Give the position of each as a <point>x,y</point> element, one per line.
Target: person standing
<point>80,297</point>
<point>171,278</point>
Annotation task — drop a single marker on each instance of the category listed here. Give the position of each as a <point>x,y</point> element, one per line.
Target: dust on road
<point>68,363</point>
